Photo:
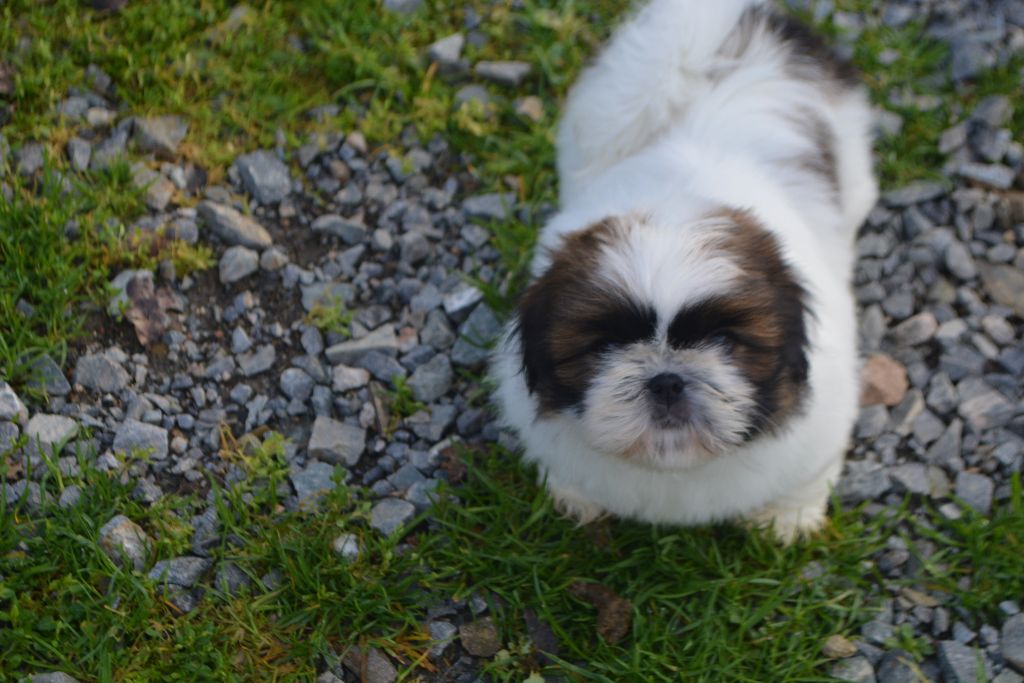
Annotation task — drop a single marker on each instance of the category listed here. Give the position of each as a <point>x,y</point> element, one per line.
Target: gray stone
<point>327,294</point>
<point>916,330</point>
<point>390,514</point>
<point>927,428</point>
<point>912,478</point>
<point>432,380</point>
<point>98,372</point>
<point>877,631</point>
<point>238,263</point>
<point>53,677</point>
<point>311,482</point>
<point>350,230</point>
<point>29,159</point>
<point>109,150</point>
<point>240,341</point>
<point>133,435</point>
<point>381,365</point>
<point>231,579</point>
<point>959,663</point>
<point>872,421</point>
<point>915,193</point>
<point>336,442</point>
<point>120,302</point>
<point>232,227</point>
<point>946,450</point>
<point>70,496</point>
<point>158,190</point>
<point>496,206</point>
<point>273,259</point>
<point>994,176</point>
<point>442,633</point>
<point>969,58</point>
<point>180,571</point>
<point>51,430</point>
<point>855,669</point>
<point>346,547</point>
<point>508,73</point>
<point>48,377</point>
<point>265,176</point>
<point>402,6</point>
<point>79,153</point>
<point>121,537</point>
<point>1011,641</point>
<point>406,476</point>
<point>296,384</point>
<point>1008,676</point>
<point>897,666</point>
<point>11,407</point>
<point>345,378</point>
<point>459,301</point>
<point>976,490</point>
<point>258,361</point>
<point>437,332</point>
<point>448,50</point>
<point>414,248</point>
<point>383,339</point>
<point>942,395</point>
<point>981,406</point>
<point>160,134</point>
<point>863,481</point>
<point>959,261</point>
<point>427,299</point>
<point>147,492</point>
<point>1005,284</point>
<point>473,93</point>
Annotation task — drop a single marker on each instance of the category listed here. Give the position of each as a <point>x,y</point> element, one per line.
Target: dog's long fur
<point>712,156</point>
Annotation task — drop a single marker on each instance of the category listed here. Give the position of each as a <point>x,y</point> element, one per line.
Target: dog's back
<point>704,71</point>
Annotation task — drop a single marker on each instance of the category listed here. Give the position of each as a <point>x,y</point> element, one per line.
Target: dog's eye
<point>723,338</point>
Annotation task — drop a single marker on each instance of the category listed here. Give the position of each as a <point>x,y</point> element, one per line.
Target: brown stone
<point>883,380</point>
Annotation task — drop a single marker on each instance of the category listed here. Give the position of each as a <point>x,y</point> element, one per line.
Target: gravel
<point>180,571</point>
<point>265,176</point>
<point>390,514</point>
<point>160,134</point>
<point>336,442</point>
<point>98,372</point>
<point>135,436</point>
<point>1011,641</point>
<point>397,234</point>
<point>51,430</point>
<point>238,263</point>
<point>232,227</point>
<point>122,538</point>
<point>11,407</point>
<point>313,481</point>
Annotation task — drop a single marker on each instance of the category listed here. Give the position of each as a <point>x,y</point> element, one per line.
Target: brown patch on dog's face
<point>569,316</point>
<point>761,321</point>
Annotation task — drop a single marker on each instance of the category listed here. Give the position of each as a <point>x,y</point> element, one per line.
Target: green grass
<point>707,604</point>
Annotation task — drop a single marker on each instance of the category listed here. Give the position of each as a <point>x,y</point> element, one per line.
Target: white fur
<point>663,128</point>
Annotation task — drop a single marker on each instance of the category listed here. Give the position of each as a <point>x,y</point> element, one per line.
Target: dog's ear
<point>532,325</point>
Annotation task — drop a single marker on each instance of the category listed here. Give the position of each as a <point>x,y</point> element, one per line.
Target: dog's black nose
<point>666,388</point>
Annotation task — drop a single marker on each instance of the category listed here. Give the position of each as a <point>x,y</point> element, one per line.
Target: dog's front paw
<point>575,507</point>
<point>789,524</point>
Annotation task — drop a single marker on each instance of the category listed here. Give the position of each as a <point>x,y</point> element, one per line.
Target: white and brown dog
<point>686,351</point>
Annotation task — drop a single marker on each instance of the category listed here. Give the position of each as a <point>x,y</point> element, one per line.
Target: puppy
<point>686,351</point>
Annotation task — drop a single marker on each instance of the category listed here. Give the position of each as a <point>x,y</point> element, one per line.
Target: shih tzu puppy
<point>686,351</point>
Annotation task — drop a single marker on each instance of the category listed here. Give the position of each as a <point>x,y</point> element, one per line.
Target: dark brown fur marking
<point>776,304</point>
<point>568,315</point>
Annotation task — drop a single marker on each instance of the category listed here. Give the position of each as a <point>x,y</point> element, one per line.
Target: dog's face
<point>666,344</point>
